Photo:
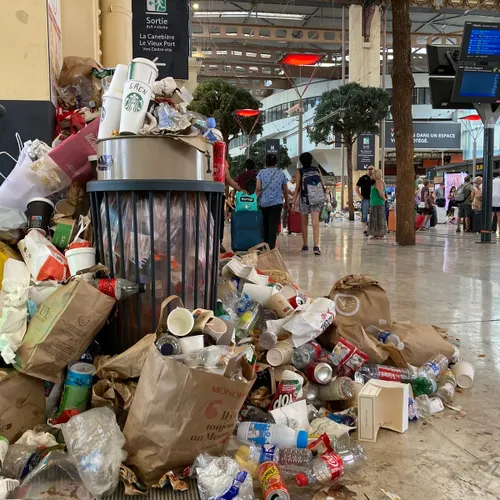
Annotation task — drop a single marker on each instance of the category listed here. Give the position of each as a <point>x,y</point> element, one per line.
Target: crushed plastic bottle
<point>426,407</point>
<point>236,303</point>
<point>306,354</point>
<point>385,337</point>
<point>247,321</point>
<point>447,386</point>
<point>434,368</point>
<point>423,385</point>
<point>380,372</point>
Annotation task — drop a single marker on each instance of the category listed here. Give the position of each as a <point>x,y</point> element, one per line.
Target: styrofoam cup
<point>180,322</point>
<point>258,293</point>
<point>192,344</point>
<point>280,354</point>
<point>110,116</point>
<point>80,258</point>
<point>119,78</point>
<point>144,70</point>
<point>464,373</point>
<point>136,97</point>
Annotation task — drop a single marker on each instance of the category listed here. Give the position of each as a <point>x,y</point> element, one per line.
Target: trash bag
<point>95,443</point>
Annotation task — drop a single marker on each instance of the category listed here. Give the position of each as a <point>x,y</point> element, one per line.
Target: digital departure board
<point>480,42</point>
<point>477,84</point>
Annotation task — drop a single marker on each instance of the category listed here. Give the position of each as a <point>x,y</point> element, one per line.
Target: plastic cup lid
<point>45,200</point>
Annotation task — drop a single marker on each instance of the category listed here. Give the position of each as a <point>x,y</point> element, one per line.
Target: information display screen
<point>481,42</point>
<point>477,84</point>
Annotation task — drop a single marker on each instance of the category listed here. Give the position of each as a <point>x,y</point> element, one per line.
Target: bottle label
<point>449,388</point>
<point>107,286</point>
<point>335,464</point>
<point>258,433</point>
<point>434,368</point>
<point>383,336</point>
<point>392,374</point>
<point>267,454</point>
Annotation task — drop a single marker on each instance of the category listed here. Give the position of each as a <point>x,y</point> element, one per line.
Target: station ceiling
<point>241,41</point>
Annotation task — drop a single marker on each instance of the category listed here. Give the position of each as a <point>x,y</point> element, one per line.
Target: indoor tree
<point>258,154</point>
<point>220,99</point>
<point>347,112</point>
<point>402,86</point>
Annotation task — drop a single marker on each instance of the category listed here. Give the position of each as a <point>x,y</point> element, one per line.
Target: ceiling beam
<point>251,83</point>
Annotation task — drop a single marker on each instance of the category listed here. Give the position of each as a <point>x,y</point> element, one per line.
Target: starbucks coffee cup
<point>110,116</point>
<point>120,76</point>
<point>136,97</point>
<point>143,70</point>
<point>39,213</point>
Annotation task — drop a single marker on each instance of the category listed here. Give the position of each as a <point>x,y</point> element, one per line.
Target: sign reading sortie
<point>429,135</point>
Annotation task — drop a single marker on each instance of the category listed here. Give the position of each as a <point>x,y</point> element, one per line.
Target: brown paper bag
<point>22,403</point>
<point>360,299</point>
<point>177,413</point>
<point>62,329</point>
<point>421,342</point>
<point>356,334</point>
<point>269,259</point>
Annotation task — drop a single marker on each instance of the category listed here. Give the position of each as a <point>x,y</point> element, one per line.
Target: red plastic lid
<point>301,479</point>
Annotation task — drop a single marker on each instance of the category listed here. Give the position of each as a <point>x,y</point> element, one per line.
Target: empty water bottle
<point>434,368</point>
<point>380,372</point>
<point>426,406</point>
<point>236,303</point>
<point>447,385</point>
<point>247,321</point>
<point>423,385</point>
<point>268,340</point>
<point>385,337</point>
<point>306,354</point>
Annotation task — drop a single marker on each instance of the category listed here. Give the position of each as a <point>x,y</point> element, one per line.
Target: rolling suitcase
<point>294,222</point>
<point>475,221</point>
<point>246,230</point>
<point>391,223</point>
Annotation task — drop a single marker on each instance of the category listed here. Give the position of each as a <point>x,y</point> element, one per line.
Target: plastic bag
<point>95,443</point>
<point>220,478</point>
<point>55,477</point>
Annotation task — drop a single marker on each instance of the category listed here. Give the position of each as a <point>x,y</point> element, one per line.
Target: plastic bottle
<point>341,388</point>
<point>434,368</point>
<point>220,312</point>
<point>306,354</point>
<point>168,345</point>
<point>118,288</point>
<point>330,466</point>
<point>268,340</point>
<point>236,303</point>
<point>385,337</point>
<point>423,385</point>
<point>380,372</point>
<point>447,385</point>
<point>258,433</point>
<point>426,406</point>
<point>212,134</point>
<point>247,321</point>
<point>251,413</point>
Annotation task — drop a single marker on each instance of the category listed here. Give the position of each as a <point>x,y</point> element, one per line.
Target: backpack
<point>460,195</point>
<point>312,190</point>
<point>246,202</point>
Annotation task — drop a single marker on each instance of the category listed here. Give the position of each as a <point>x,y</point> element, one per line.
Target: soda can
<point>319,372</point>
<point>77,386</point>
<point>272,482</point>
<point>219,162</point>
<point>311,393</point>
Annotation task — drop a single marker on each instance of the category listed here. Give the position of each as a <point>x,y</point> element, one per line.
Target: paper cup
<point>180,322</point>
<point>136,97</point>
<point>280,354</point>
<point>279,305</point>
<point>258,293</point>
<point>143,70</point>
<point>464,372</point>
<point>192,344</point>
<point>289,291</point>
<point>118,81</point>
<point>110,117</point>
<point>40,211</point>
<point>80,258</point>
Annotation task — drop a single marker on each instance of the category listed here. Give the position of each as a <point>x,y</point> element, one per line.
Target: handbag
<point>323,216</point>
<point>267,258</point>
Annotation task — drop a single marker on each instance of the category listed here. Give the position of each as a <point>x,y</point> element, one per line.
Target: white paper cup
<point>143,70</point>
<point>289,291</point>
<point>258,293</point>
<point>464,372</point>
<point>110,116</point>
<point>136,97</point>
<point>280,354</point>
<point>80,258</point>
<point>120,76</point>
<point>279,305</point>
<point>180,322</point>
<point>192,344</point>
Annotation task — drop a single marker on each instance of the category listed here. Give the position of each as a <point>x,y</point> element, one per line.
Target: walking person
<point>463,197</point>
<point>248,176</point>
<point>495,201</point>
<point>426,204</point>
<point>310,195</point>
<point>288,203</point>
<point>377,223</point>
<point>363,190</point>
<point>451,201</point>
<point>272,193</point>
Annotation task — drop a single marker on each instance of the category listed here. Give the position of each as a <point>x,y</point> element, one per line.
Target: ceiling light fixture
<point>244,14</point>
<point>196,6</point>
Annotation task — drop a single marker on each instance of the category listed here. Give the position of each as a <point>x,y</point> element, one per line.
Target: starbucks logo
<point>134,102</point>
<point>103,114</point>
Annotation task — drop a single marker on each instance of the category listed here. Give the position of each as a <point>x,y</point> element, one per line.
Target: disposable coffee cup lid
<point>45,200</point>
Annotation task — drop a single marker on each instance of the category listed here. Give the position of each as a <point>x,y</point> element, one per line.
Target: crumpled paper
<point>37,439</point>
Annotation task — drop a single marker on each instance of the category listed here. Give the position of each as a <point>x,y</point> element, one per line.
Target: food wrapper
<point>347,358</point>
<point>170,120</point>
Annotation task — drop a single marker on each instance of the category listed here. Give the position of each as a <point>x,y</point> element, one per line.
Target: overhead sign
<point>366,151</point>
<point>273,147</point>
<point>160,30</point>
<point>429,135</point>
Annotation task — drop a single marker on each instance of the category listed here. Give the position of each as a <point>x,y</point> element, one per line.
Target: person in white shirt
<point>291,186</point>
<point>495,201</point>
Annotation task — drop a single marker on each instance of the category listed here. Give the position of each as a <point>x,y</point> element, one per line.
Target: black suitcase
<point>434,217</point>
<point>475,221</point>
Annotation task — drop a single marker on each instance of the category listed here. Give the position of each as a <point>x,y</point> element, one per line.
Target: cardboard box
<point>22,403</point>
<point>382,404</point>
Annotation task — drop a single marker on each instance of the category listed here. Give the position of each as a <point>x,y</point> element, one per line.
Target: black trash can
<point>162,233</point>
